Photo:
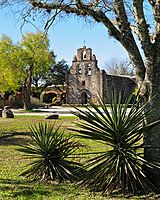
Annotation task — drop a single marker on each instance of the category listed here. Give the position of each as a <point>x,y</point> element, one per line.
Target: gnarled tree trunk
<point>152,138</point>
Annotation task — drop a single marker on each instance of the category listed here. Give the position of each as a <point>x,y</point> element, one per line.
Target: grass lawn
<point>12,162</point>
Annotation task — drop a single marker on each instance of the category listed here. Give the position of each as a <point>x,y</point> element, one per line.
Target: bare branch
<point>142,27</point>
<point>127,39</point>
<point>156,9</point>
<point>51,21</point>
<point>56,6</point>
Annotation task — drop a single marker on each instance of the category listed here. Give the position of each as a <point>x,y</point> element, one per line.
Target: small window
<point>79,69</point>
<point>83,82</point>
<point>89,70</point>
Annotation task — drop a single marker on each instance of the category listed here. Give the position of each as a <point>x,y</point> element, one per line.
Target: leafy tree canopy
<point>18,59</point>
<point>56,75</point>
<point>58,72</point>
<point>21,61</point>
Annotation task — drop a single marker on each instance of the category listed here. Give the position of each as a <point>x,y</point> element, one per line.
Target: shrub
<point>36,102</point>
<point>51,153</point>
<point>119,167</point>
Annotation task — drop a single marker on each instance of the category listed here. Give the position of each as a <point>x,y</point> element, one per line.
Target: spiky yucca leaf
<point>121,129</point>
<point>50,152</point>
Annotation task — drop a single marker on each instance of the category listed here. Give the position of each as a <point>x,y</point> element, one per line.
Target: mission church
<point>86,80</point>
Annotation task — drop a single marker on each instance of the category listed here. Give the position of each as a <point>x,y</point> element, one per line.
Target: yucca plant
<point>50,151</point>
<point>119,168</point>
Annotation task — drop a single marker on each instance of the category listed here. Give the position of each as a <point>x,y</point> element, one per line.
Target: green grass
<point>12,162</point>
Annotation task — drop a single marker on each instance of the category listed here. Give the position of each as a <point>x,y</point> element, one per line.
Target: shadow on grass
<point>13,139</point>
<point>20,188</point>
<point>16,189</point>
<point>28,192</point>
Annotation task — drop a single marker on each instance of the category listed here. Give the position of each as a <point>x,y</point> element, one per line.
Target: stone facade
<point>85,80</point>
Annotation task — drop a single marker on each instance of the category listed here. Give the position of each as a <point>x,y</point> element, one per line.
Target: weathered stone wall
<point>84,78</point>
<point>118,84</point>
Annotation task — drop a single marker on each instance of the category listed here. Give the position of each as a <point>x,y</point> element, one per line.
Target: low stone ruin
<point>7,113</point>
<point>52,116</point>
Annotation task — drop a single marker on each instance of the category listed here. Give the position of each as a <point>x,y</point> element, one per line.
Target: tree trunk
<point>27,88</point>
<point>26,99</point>
<point>152,138</point>
<point>152,143</point>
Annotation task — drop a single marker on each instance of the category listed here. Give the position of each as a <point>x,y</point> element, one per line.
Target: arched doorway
<point>48,96</point>
<point>84,98</point>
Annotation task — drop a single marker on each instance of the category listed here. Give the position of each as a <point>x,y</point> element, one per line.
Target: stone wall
<point>84,78</point>
<point>118,84</point>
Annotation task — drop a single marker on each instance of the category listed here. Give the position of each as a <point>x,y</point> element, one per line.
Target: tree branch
<point>123,35</point>
<point>156,10</point>
<point>142,28</point>
<point>79,9</point>
<point>68,8</point>
<point>128,40</point>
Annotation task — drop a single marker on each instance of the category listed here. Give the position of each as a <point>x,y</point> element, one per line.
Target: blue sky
<point>68,35</point>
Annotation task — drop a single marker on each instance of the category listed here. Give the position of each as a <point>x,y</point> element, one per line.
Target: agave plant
<point>50,151</point>
<point>120,168</point>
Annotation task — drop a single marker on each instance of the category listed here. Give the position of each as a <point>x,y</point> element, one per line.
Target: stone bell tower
<point>84,78</point>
